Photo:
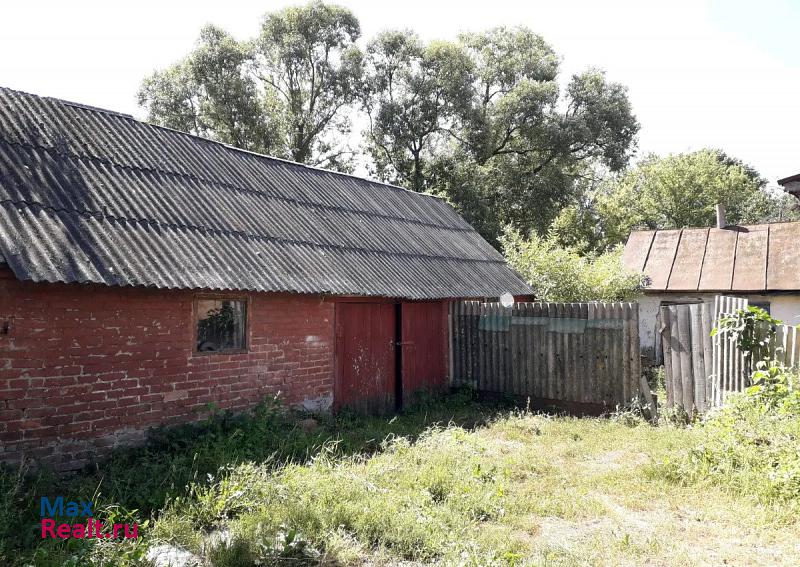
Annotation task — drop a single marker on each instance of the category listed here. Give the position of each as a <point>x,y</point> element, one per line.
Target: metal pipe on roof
<point>721,222</point>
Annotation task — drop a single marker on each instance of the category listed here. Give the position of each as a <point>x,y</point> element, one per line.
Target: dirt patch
<point>615,460</point>
<point>557,532</point>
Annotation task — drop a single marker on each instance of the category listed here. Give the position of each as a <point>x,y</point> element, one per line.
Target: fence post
<point>698,362</point>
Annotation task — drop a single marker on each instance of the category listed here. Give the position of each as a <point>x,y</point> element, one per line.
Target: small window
<point>221,325</point>
<point>761,304</point>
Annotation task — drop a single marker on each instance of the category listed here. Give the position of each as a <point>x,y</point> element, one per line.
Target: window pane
<point>220,324</point>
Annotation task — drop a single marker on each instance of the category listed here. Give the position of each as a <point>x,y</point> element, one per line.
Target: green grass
<point>455,483</point>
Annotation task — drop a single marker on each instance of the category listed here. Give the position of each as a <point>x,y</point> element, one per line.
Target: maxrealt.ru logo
<point>86,527</point>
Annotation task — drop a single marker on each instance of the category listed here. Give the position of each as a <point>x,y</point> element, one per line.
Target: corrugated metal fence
<point>701,371</point>
<point>570,352</point>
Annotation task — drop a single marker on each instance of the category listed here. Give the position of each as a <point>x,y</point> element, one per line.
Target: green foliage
<point>307,59</point>
<point>517,157</point>
<point>480,120</point>
<point>484,487</point>
<point>284,92</point>
<point>212,93</point>
<point>561,274</point>
<point>138,483</point>
<point>750,445</point>
<point>577,227</point>
<point>527,143</point>
<point>775,388</point>
<point>390,501</point>
<point>413,92</point>
<point>681,190</point>
<point>752,329</point>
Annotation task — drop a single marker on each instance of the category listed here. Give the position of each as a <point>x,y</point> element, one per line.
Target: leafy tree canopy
<point>557,273</point>
<point>285,92</point>
<point>481,120</point>
<point>413,92</point>
<point>674,191</point>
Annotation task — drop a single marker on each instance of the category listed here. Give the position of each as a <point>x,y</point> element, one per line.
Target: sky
<point>722,74</point>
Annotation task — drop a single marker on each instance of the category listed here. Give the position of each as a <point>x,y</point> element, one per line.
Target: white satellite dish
<point>507,300</point>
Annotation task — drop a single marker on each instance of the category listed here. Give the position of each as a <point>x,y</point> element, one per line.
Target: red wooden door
<point>365,357</point>
<point>425,348</point>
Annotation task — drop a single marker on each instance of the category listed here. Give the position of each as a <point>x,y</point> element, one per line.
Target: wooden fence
<point>786,346</point>
<point>701,371</point>
<point>584,353</point>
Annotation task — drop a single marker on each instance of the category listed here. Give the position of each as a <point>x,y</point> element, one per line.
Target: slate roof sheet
<point>752,258</point>
<point>88,195</point>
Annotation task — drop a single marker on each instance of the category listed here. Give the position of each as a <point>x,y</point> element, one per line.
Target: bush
<point>751,445</point>
<point>752,329</point>
<point>561,274</point>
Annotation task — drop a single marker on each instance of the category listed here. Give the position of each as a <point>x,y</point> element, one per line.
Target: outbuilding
<point>147,273</point>
<point>693,265</point>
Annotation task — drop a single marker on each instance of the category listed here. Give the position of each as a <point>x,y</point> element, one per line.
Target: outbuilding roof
<point>88,195</point>
<point>753,258</point>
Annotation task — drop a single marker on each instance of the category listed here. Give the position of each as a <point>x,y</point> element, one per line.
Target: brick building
<point>147,273</point>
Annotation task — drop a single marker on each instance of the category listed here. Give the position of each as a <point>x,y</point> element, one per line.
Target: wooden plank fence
<point>688,354</point>
<point>583,353</point>
<point>786,347</point>
<point>699,369</point>
<point>702,371</point>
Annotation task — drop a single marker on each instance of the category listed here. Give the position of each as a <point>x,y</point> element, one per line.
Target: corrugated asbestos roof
<point>764,257</point>
<point>88,195</point>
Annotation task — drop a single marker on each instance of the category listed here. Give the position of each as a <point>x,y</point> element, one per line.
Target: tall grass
<point>454,482</point>
<point>752,445</point>
<point>137,484</point>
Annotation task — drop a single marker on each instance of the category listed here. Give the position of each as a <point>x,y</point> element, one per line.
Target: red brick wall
<point>86,367</point>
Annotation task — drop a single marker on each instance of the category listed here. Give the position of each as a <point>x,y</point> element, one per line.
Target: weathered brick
<point>88,367</point>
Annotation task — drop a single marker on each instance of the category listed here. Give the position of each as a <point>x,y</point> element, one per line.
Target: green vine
<point>753,330</point>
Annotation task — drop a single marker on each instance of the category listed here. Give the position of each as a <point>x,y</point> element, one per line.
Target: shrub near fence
<point>579,353</point>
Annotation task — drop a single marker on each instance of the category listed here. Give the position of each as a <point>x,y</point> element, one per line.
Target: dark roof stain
<point>89,195</point>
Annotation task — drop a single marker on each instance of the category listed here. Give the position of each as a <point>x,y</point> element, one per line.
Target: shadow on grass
<point>139,482</point>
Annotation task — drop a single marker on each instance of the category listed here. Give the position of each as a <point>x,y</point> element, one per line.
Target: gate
<point>365,357</point>
<point>388,353</point>
<point>423,340</point>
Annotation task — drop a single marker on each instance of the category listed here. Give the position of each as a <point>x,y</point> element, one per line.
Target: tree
<point>285,92</point>
<point>210,93</point>
<point>681,190</point>
<point>481,122</point>
<point>562,274</point>
<point>308,59</point>
<point>530,145</point>
<point>413,93</point>
<point>513,87</point>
